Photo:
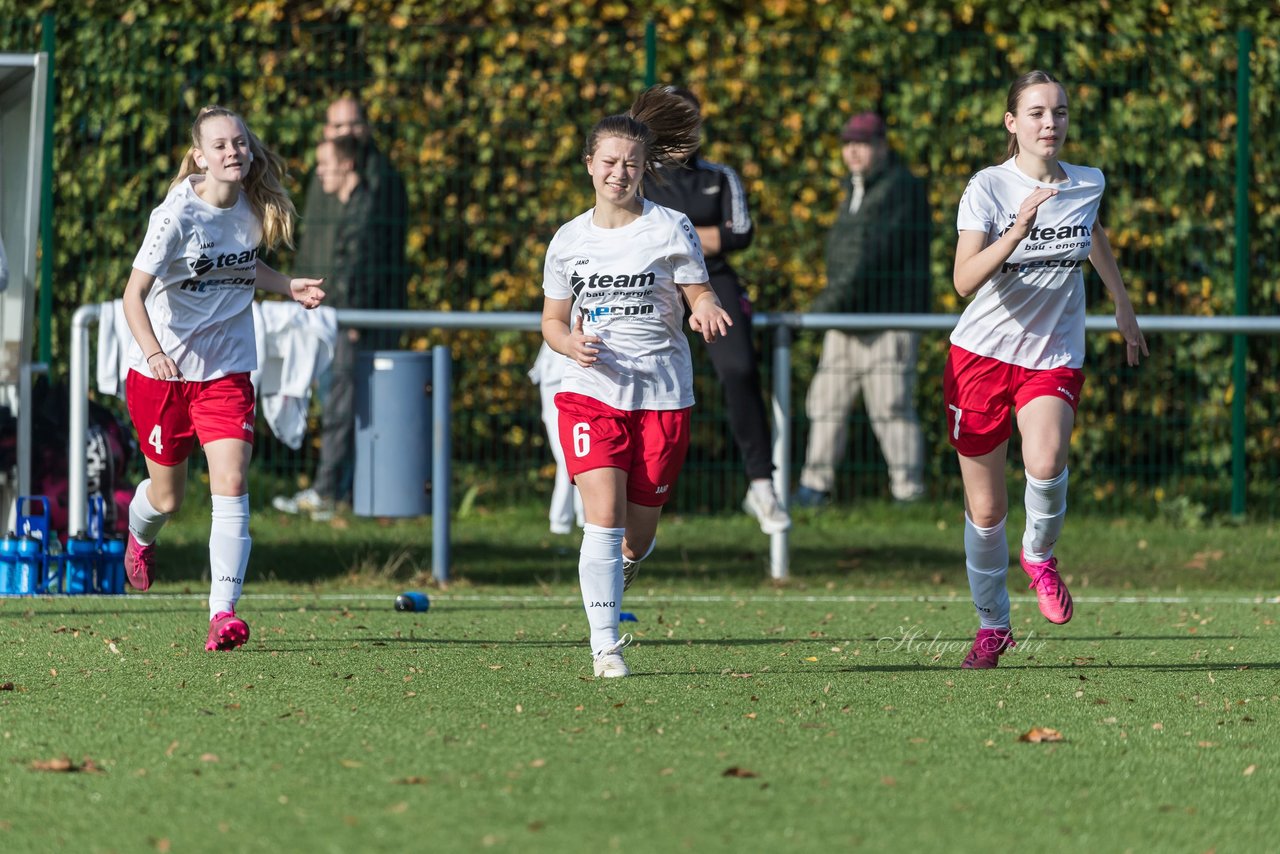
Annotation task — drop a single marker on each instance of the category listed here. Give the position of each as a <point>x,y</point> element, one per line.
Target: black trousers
<point>736,362</point>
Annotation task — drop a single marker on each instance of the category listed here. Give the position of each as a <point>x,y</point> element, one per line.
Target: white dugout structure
<point>23,84</point>
<point>783,324</point>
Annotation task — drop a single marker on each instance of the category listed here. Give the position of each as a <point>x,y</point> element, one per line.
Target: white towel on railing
<point>294,346</point>
<point>114,339</point>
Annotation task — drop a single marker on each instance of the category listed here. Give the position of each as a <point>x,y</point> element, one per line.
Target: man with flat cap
<point>877,263</point>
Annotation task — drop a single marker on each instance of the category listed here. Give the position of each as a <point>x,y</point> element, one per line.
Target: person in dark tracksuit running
<point>713,197</point>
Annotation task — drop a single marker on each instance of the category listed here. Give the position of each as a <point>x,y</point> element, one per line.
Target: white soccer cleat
<point>608,662</point>
<point>762,502</point>
<point>631,568</point>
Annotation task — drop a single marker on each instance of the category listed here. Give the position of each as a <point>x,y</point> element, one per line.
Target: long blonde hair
<point>263,184</point>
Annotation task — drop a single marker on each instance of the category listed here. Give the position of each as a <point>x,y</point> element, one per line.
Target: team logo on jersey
<point>204,263</point>
<point>620,281</point>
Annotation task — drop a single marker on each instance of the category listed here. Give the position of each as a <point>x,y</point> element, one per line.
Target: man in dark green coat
<point>353,234</point>
<point>877,262</point>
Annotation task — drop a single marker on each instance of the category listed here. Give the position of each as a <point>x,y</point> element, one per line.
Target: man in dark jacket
<point>877,262</point>
<point>353,234</point>
<point>714,199</point>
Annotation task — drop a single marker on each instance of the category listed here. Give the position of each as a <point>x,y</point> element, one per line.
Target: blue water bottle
<point>28,567</point>
<point>111,565</point>
<point>82,564</point>
<point>8,561</point>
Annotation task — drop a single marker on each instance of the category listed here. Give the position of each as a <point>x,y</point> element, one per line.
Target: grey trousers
<point>881,368</point>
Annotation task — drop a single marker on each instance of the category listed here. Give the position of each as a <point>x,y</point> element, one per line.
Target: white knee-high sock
<point>145,521</point>
<point>600,576</point>
<point>229,545</point>
<point>986,557</point>
<point>1046,502</point>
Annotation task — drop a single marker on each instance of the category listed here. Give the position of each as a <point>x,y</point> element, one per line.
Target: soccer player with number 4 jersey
<point>1026,226</point>
<point>614,278</point>
<point>188,303</point>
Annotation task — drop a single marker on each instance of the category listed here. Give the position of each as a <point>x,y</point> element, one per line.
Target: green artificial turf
<point>825,714</point>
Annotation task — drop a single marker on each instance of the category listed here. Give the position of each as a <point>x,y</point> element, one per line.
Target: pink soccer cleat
<point>987,649</point>
<point>226,631</point>
<point>1052,593</point>
<point>138,563</point>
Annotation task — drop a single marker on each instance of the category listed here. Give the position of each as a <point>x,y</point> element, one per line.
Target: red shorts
<point>979,390</point>
<point>170,415</point>
<point>648,444</point>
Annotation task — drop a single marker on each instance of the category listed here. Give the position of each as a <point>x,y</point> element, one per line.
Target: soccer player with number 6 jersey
<point>614,278</point>
<point>188,303</point>
<point>1026,226</point>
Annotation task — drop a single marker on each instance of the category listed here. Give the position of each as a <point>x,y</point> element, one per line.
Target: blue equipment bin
<point>392,433</point>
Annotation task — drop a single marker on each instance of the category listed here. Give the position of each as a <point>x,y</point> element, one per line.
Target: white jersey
<point>205,261</point>
<point>1031,311</point>
<point>623,283</point>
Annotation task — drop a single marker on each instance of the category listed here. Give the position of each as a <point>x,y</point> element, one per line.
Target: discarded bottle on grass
<point>412,601</point>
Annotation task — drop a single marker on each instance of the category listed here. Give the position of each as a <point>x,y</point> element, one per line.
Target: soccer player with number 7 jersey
<point>1026,226</point>
<point>188,303</point>
<point>613,278</point>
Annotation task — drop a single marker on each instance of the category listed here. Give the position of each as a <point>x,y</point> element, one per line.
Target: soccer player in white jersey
<point>188,304</point>
<point>1025,228</point>
<point>614,277</point>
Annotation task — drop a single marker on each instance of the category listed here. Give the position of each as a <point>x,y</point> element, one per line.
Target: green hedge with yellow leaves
<point>484,107</point>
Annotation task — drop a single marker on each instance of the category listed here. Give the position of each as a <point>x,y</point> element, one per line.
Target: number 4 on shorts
<point>155,441</point>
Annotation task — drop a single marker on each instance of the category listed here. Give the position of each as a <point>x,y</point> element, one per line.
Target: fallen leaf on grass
<point>172,747</point>
<point>735,771</point>
<point>350,763</point>
<point>1038,734</point>
<point>1248,772</point>
<point>413,781</point>
<point>63,765</point>
<point>7,686</point>
<point>209,757</point>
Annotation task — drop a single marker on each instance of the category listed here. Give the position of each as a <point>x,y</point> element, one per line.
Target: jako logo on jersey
<point>622,281</point>
<point>662,489</point>
<point>246,425</point>
<point>603,605</point>
<point>1068,395</point>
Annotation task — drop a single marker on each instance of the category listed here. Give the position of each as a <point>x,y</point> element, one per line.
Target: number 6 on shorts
<point>581,439</point>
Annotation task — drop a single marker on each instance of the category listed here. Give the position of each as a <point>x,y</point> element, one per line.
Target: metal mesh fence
<point>486,126</point>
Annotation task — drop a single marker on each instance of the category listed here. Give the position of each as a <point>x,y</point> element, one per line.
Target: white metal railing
<point>785,323</point>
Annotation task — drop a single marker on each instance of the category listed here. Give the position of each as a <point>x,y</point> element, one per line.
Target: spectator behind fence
<point>355,226</point>
<point>1025,228</point>
<point>877,262</point>
<point>193,346</point>
<point>712,196</point>
<point>628,389</point>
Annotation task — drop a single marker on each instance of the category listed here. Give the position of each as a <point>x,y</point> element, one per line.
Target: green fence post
<point>46,199</point>
<point>1240,350</point>
<point>650,53</point>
